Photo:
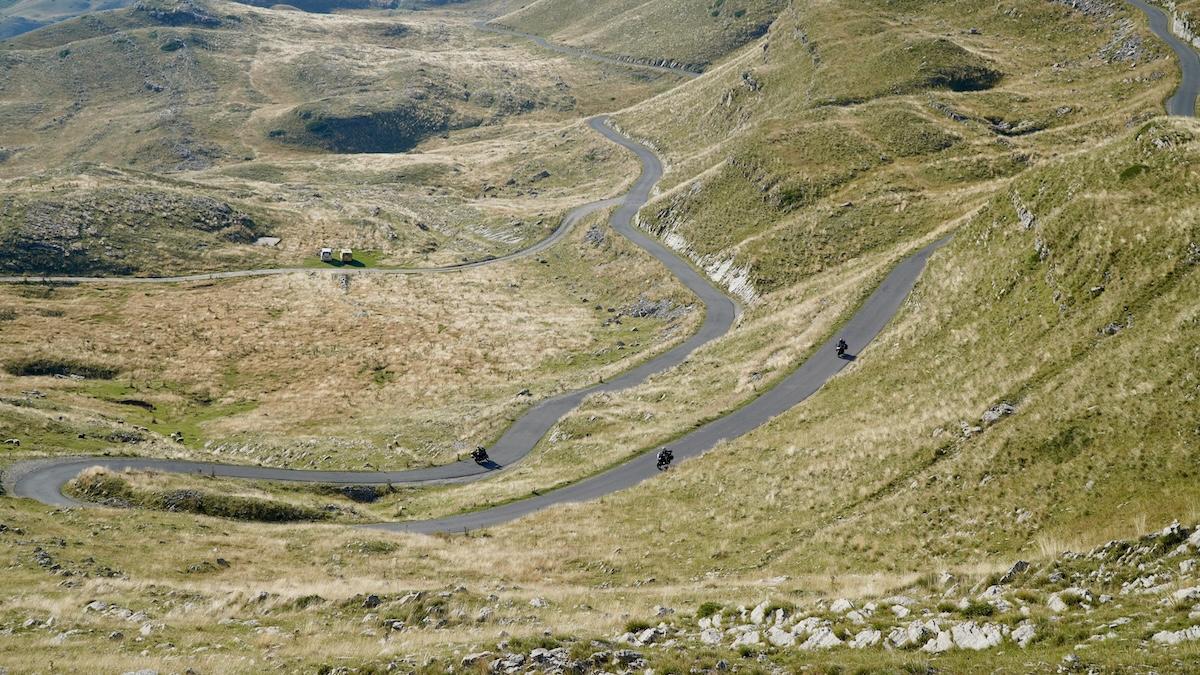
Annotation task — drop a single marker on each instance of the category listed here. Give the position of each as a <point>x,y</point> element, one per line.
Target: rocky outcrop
<point>102,231</point>
<point>722,268</point>
<point>1061,592</point>
<point>1182,23</point>
<point>182,13</point>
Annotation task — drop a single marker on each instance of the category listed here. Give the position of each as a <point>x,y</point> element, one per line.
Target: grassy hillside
<point>1074,305</point>
<point>102,221</point>
<point>690,33</point>
<point>260,109</point>
<point>323,371</point>
<point>850,126</point>
<point>1035,396</point>
<point>22,16</point>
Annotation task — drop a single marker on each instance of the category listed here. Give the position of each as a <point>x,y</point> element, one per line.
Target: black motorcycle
<point>841,348</point>
<point>479,454</point>
<point>664,459</point>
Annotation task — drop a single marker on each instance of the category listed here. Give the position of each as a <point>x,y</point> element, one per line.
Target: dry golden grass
<point>321,369</point>
<point>465,193</point>
<point>768,342</point>
<point>864,489</point>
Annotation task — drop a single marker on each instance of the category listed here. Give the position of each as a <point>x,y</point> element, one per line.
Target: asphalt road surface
<point>1183,102</point>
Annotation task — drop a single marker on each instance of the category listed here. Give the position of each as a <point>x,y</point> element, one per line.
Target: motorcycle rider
<point>842,346</point>
<point>665,456</point>
<point>479,454</point>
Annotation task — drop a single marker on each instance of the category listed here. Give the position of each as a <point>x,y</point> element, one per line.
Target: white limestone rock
<point>866,638</point>
<point>822,638</point>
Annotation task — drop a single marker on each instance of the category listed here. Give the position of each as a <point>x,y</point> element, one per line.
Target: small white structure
<point>347,255</point>
<point>326,255</point>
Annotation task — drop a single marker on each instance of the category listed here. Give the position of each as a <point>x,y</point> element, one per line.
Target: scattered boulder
<point>1026,218</point>
<point>627,657</point>
<point>759,613</point>
<point>1024,634</point>
<point>912,635</point>
<point>1186,594</point>
<point>747,639</point>
<point>1175,637</point>
<point>996,413</point>
<point>510,663</point>
<point>1018,568</point>
<point>779,637</point>
<point>475,659</point>
<point>808,626</point>
<point>1056,604</point>
<point>594,236</point>
<point>969,635</point>
<point>866,638</point>
<point>822,638</point>
<point>943,641</point>
<point>651,635</point>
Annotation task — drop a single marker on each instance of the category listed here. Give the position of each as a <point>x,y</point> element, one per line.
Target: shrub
<point>374,546</point>
<point>978,608</point>
<point>42,366</point>
<point>636,626</point>
<point>1029,596</point>
<point>708,609</point>
<point>99,485</point>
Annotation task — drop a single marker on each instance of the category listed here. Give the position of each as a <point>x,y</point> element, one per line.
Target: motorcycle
<point>664,460</point>
<point>841,348</point>
<point>479,454</point>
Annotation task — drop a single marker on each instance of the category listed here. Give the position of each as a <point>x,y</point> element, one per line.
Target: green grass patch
<point>362,258</point>
<point>180,410</point>
<point>978,608</point>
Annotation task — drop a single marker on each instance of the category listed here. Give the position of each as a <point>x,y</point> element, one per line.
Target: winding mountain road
<point>866,323</point>
<point>1183,101</point>
<point>43,480</point>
